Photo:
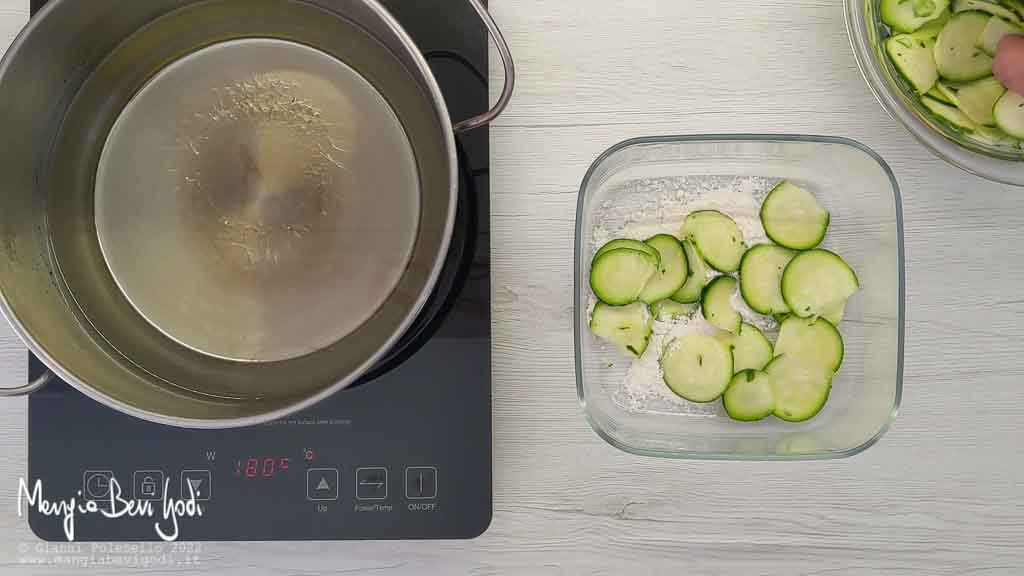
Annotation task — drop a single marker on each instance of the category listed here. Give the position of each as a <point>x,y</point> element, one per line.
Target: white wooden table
<point>940,495</point>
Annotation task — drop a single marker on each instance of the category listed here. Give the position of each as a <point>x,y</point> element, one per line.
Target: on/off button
<point>421,483</point>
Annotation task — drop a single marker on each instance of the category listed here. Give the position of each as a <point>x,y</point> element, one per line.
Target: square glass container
<point>858,189</point>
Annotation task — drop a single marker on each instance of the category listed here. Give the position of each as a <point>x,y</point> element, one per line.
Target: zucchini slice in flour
<point>718,239</point>
<point>816,282</point>
<point>761,278</point>
<point>749,397</point>
<point>793,217</point>
<point>800,387</point>
<point>618,276</point>
<point>697,367</point>
<point>812,340</point>
<point>668,310</point>
<point>697,278</point>
<point>835,314</point>
<point>631,244</point>
<point>716,304</point>
<point>671,272</point>
<point>628,327</point>
<point>751,349</point>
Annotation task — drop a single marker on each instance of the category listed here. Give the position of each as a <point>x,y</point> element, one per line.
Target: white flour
<point>644,208</point>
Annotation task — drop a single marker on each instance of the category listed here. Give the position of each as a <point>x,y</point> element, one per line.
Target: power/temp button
<point>421,483</point>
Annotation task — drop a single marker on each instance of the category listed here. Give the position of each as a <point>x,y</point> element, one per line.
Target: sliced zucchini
<point>671,272</point>
<point>811,339</point>
<point>978,98</point>
<point>716,303</point>
<point>751,349</point>
<point>938,95</point>
<point>800,387</point>
<point>1016,5</point>
<point>947,93</point>
<point>761,278</point>
<point>793,217</point>
<point>956,55</point>
<point>835,314</point>
<point>933,27</point>
<point>994,137</point>
<point>718,239</point>
<point>628,327</point>
<point>1009,114</point>
<point>697,367</point>
<point>697,279</point>
<point>987,7</point>
<point>994,31</point>
<point>950,114</point>
<point>817,281</point>
<point>909,15</point>
<point>618,277</point>
<point>631,244</point>
<point>668,310</point>
<point>914,58</point>
<point>749,396</point>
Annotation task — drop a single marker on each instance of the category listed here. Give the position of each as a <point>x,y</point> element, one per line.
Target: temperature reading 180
<point>261,467</point>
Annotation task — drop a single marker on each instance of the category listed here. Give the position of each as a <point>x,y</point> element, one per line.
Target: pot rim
<point>448,133</point>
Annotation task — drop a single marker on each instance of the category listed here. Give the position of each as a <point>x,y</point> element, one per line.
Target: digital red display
<point>261,467</point>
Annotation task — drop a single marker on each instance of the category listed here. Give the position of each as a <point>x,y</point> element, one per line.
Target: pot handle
<point>510,74</point>
<point>28,388</point>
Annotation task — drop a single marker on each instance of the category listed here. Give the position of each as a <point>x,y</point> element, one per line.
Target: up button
<point>322,484</point>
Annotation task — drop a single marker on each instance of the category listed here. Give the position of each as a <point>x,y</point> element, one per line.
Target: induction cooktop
<point>406,454</point>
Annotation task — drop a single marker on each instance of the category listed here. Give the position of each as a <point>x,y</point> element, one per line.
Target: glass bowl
<point>641,182</point>
<point>995,162</point>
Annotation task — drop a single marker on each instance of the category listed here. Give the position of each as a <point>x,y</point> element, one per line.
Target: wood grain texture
<point>940,495</point>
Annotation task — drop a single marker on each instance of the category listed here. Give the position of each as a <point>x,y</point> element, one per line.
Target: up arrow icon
<point>322,484</point>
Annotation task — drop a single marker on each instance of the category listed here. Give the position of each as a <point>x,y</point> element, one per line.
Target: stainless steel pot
<point>218,212</point>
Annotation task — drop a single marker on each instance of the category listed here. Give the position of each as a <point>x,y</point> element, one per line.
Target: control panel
<point>346,469</point>
<point>282,495</point>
